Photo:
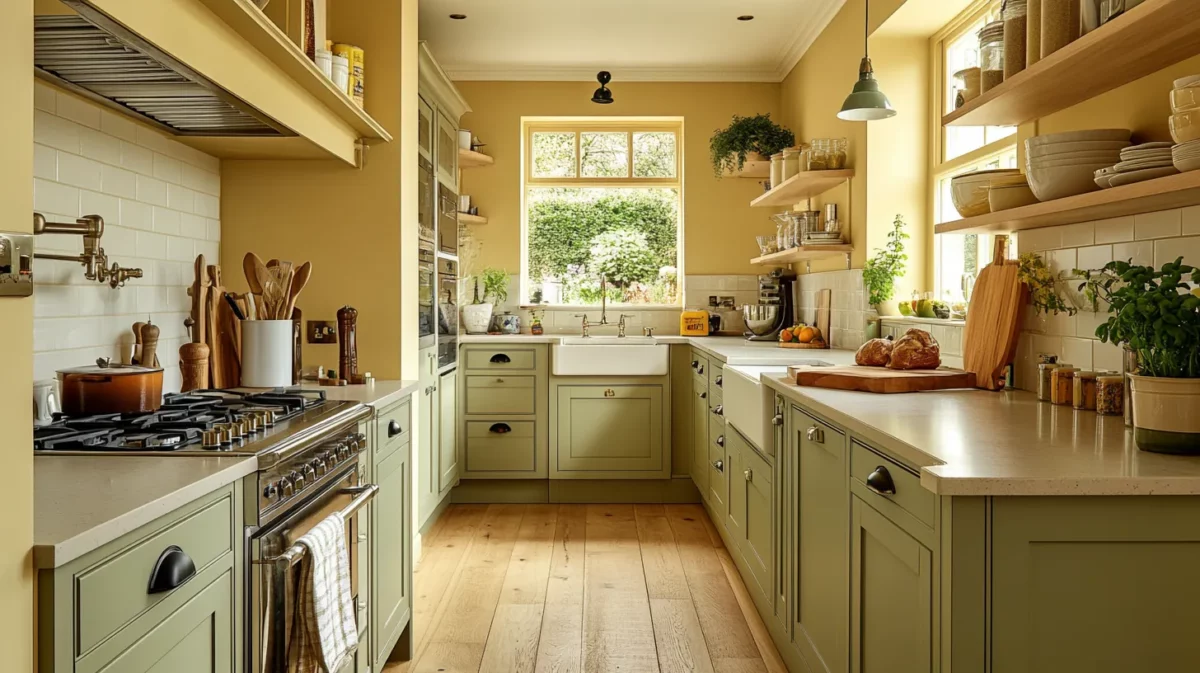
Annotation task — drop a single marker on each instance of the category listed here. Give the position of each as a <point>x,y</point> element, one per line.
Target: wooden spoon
<point>299,280</point>
<point>250,266</point>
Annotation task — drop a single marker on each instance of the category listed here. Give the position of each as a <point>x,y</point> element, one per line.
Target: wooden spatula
<point>994,319</point>
<point>299,280</point>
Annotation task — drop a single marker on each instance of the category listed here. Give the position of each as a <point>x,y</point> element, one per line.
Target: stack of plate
<point>1186,156</point>
<point>1138,163</point>
<point>1185,108</point>
<point>1065,164</point>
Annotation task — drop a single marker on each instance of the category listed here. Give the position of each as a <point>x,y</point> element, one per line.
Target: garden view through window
<point>602,203</point>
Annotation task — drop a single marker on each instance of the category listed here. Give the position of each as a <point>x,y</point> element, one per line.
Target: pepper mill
<point>150,334</point>
<point>347,317</point>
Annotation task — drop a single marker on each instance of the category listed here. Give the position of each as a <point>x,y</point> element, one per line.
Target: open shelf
<point>804,254</point>
<point>467,218</point>
<point>802,186</point>
<point>471,159</point>
<point>1147,38</point>
<point>1173,191</point>
<point>261,33</point>
<point>757,170</point>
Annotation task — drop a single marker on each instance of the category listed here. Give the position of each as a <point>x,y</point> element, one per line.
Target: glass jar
<point>1083,391</point>
<point>818,155</point>
<point>1015,34</point>
<point>991,55</point>
<point>776,169</point>
<point>837,153</point>
<point>1110,395</point>
<point>791,162</point>
<point>785,234</point>
<point>1045,385</point>
<point>1063,385</point>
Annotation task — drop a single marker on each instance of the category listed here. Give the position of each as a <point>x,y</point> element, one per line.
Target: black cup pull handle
<point>500,428</point>
<point>394,428</point>
<point>880,481</point>
<point>501,359</point>
<point>172,569</point>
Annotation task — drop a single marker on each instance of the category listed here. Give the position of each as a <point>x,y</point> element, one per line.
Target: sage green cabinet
<point>447,393</point>
<point>504,419</point>
<point>735,465</point>
<point>891,590</point>
<point>821,568</point>
<point>760,512</point>
<point>391,581</point>
<point>426,408</point>
<point>701,464</point>
<point>609,429</point>
<point>785,515</point>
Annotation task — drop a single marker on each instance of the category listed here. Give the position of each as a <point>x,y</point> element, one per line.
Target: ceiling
<point>636,40</point>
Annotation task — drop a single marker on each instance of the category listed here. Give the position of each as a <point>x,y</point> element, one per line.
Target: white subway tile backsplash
<point>151,245</point>
<point>1141,252</point>
<point>1106,357</point>
<point>214,230</point>
<point>45,97</point>
<point>1163,224</point>
<point>168,169</point>
<point>181,249</point>
<point>152,191</point>
<point>207,205</point>
<point>120,242</point>
<point>78,172</point>
<point>1078,352</point>
<point>1169,249</point>
<point>193,226</point>
<point>1037,240</point>
<point>77,110</point>
<point>1115,230</point>
<point>181,198</point>
<point>59,133</point>
<point>118,182</point>
<point>52,197</point>
<point>165,220</point>
<point>99,146</point>
<point>1191,221</point>
<point>137,215</point>
<point>137,159</point>
<point>95,203</point>
<point>1061,261</point>
<point>45,162</point>
<point>1078,235</point>
<point>1094,257</point>
<point>118,126</point>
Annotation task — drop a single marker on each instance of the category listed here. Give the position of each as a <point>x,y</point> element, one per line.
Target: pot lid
<point>107,366</point>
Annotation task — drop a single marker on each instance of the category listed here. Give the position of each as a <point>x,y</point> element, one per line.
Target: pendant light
<point>602,95</point>
<point>866,102</point>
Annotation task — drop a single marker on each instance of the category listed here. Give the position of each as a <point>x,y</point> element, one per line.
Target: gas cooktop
<point>204,421</point>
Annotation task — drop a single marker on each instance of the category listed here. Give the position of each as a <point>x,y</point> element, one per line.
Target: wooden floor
<point>591,588</point>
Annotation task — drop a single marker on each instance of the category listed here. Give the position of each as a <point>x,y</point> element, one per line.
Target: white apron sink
<point>610,356</point>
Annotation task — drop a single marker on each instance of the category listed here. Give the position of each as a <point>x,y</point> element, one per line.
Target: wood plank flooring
<point>582,589</point>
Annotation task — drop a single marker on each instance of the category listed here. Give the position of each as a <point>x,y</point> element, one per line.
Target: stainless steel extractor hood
<point>96,57</point>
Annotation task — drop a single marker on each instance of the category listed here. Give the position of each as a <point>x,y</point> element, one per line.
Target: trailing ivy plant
<point>1153,313</point>
<point>1043,285</point>
<point>881,271</point>
<point>729,146</point>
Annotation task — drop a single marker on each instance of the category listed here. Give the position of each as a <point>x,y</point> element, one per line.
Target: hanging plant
<point>1043,286</point>
<point>730,146</point>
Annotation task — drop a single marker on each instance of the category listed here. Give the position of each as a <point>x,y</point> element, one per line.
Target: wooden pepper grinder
<point>150,334</point>
<point>193,357</point>
<point>347,317</point>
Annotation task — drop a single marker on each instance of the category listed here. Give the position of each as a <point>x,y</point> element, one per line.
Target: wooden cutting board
<point>881,379</point>
<point>994,319</point>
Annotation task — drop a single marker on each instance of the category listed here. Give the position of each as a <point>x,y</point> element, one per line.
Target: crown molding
<point>533,73</point>
<point>820,20</point>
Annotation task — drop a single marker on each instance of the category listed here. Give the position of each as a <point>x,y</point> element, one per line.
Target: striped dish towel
<point>324,636</point>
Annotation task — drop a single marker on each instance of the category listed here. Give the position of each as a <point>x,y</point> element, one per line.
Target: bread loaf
<point>917,349</point>
<point>874,353</point>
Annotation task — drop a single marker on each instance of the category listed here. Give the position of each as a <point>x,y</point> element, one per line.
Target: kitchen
<point>704,511</point>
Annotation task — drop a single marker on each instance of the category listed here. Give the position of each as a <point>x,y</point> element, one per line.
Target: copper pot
<point>106,388</point>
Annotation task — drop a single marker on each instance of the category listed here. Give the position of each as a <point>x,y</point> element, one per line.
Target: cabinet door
<point>756,545</point>
<point>784,507</point>
<point>447,151</point>
<point>447,431</point>
<point>891,590</point>
<point>425,455</point>
<point>615,429</point>
<point>820,575</point>
<point>425,125</point>
<point>196,638</point>
<point>393,561</point>
<point>701,466</point>
<point>735,513</point>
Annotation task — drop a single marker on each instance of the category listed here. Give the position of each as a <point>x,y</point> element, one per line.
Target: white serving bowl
<point>1007,197</point>
<point>1188,164</point>
<point>1077,146</point>
<point>1072,161</point>
<point>1059,182</point>
<point>969,192</point>
<point>1186,149</point>
<point>1185,82</point>
<point>1076,136</point>
<point>1185,126</point>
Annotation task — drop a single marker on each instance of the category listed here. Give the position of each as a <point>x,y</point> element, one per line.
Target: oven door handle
<point>362,495</point>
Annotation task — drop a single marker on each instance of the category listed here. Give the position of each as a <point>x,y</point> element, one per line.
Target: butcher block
<point>881,379</point>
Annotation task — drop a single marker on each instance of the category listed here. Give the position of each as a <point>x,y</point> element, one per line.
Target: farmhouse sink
<point>610,356</point>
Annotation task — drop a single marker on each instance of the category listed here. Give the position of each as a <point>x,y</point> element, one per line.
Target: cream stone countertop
<point>84,502</point>
<point>729,350</point>
<point>973,442</point>
<point>376,394</point>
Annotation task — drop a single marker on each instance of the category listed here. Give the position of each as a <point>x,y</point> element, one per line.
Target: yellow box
<point>693,323</point>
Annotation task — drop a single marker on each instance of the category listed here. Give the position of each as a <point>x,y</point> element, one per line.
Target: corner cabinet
<point>428,447</point>
<point>609,428</point>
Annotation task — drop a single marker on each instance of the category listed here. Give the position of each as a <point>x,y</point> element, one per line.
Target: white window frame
<point>578,125</point>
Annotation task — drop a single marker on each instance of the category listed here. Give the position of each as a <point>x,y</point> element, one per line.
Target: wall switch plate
<point>16,264</point>
<point>321,332</point>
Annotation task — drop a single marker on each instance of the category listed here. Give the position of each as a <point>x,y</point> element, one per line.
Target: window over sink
<point>601,201</point>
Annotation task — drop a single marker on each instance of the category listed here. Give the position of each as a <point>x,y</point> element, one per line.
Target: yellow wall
<point>719,227</point>
<point>357,227</point>
<point>16,342</point>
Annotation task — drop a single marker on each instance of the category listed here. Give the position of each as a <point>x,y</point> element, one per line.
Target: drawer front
<point>716,435</point>
<point>909,494</point>
<point>500,395</point>
<point>501,359</point>
<point>700,370</point>
<point>114,592</point>
<point>718,484</point>
<point>716,397</point>
<point>393,428</point>
<point>501,446</point>
<point>716,375</point>
<point>760,513</point>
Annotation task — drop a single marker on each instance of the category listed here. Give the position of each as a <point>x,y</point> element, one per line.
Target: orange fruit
<point>817,336</point>
<point>807,334</point>
<point>785,335</point>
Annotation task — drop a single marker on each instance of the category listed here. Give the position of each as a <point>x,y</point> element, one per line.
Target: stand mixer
<point>775,310</point>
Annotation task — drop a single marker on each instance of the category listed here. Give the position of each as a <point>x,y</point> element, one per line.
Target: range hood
<point>98,58</point>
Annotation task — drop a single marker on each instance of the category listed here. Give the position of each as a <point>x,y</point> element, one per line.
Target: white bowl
<point>1007,197</point>
<point>1077,146</point>
<point>1185,126</point>
<point>1075,157</point>
<point>969,191</point>
<point>1185,82</point>
<point>1059,182</point>
<point>1185,150</point>
<point>1072,161</point>
<point>1076,136</point>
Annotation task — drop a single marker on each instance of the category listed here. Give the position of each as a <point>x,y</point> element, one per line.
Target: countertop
<point>84,502</point>
<point>376,394</point>
<point>974,442</point>
<point>729,350</point>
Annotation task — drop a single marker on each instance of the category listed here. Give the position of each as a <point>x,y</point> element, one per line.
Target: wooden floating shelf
<point>467,218</point>
<point>1174,191</point>
<point>1146,39</point>
<point>757,170</point>
<point>261,33</point>
<point>802,186</point>
<point>471,159</point>
<point>804,254</point>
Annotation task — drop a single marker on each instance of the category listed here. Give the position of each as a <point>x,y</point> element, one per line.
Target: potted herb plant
<point>881,271</point>
<point>1154,314</point>
<point>477,315</point>
<point>732,146</point>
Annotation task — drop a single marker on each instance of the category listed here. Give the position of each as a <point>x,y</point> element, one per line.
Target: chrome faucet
<point>621,325</point>
<point>93,259</point>
<point>603,300</point>
<point>585,323</point>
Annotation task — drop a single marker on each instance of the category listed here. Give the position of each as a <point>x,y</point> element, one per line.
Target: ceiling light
<point>866,102</point>
<point>602,95</point>
<point>458,17</point>
<point>746,17</point>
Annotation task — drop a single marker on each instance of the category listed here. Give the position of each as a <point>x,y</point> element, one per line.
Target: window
<point>602,207</point>
<point>962,149</point>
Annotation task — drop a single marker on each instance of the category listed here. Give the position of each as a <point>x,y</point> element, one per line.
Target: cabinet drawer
<point>392,429</point>
<point>500,394</point>
<point>716,375</point>
<point>492,448</point>
<point>716,435</point>
<point>909,494</point>
<point>114,592</point>
<point>501,359</point>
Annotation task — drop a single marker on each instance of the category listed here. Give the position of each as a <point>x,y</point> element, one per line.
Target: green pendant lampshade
<point>866,102</point>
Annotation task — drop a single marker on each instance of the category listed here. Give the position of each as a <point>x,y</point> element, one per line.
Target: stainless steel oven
<point>447,338</point>
<point>275,558</point>
<point>447,224</point>
<point>427,291</point>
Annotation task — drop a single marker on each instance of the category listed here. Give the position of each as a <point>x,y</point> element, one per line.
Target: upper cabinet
<point>441,108</point>
<point>218,74</point>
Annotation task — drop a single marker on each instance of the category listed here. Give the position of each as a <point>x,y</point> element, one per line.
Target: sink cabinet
<point>609,428</point>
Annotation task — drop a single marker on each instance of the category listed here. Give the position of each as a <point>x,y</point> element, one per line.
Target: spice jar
<point>1060,24</point>
<point>1062,382</point>
<point>837,154</point>
<point>1045,386</point>
<point>991,55</point>
<point>791,162</point>
<point>776,169</point>
<point>818,155</point>
<point>1033,32</point>
<point>1083,391</point>
<point>1110,395</point>
<point>1015,27</point>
